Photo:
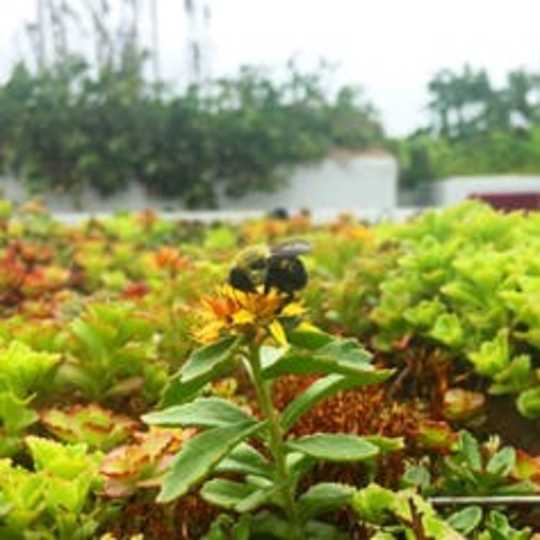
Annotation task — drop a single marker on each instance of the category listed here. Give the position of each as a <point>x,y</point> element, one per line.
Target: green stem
<point>276,445</point>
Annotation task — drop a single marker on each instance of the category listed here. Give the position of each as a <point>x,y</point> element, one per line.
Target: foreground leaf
<point>226,493</point>
<point>466,520</point>
<point>203,412</point>
<point>334,447</point>
<point>203,360</point>
<point>215,360</point>
<point>246,460</point>
<point>200,456</point>
<point>528,403</point>
<point>324,497</point>
<point>305,363</point>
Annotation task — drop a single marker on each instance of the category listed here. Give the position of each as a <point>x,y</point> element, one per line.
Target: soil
<point>503,418</point>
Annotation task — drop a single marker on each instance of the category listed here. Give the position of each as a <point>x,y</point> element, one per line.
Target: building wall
<point>456,189</point>
<point>338,183</point>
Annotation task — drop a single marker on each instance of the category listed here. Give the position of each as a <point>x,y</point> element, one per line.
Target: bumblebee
<point>276,267</point>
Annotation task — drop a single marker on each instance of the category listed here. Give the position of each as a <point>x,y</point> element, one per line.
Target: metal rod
<point>486,501</point>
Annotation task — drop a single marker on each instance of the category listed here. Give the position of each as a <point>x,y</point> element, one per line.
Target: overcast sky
<point>389,47</point>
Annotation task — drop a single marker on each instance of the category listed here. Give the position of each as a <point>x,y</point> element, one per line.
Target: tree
<point>459,100</point>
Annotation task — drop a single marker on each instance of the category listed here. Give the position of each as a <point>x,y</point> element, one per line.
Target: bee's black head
<point>239,279</point>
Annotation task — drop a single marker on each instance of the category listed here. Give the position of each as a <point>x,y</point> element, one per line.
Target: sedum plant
<point>469,468</point>
<point>486,469</point>
<point>54,501</point>
<point>112,352</point>
<point>264,334</point>
<point>478,524</point>
<point>140,465</point>
<point>90,424</point>
<point>23,374</point>
<point>466,281</point>
<point>389,515</point>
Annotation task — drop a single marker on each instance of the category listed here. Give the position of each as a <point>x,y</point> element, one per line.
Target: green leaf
<point>216,360</point>
<point>204,360</point>
<point>424,313</point>
<point>503,462</point>
<point>383,535</point>
<point>466,520</point>
<point>10,445</point>
<point>499,528</point>
<point>322,389</point>
<point>318,530</point>
<point>525,487</point>
<point>203,412</point>
<point>246,460</point>
<point>493,356</point>
<point>324,497</point>
<point>269,355</point>
<point>68,494</point>
<point>299,464</point>
<point>200,455</point>
<point>447,329</point>
<point>515,378</point>
<point>416,476</point>
<point>311,340</point>
<point>15,415</point>
<point>242,528</point>
<point>528,403</point>
<point>219,530</point>
<point>386,444</point>
<point>345,350</point>
<point>5,505</point>
<point>24,371</point>
<point>226,493</point>
<point>177,392</point>
<point>65,461</point>
<point>373,503</point>
<point>470,449</point>
<point>343,356</point>
<point>436,527</point>
<point>224,527</point>
<point>259,497</point>
<point>267,524</point>
<point>334,447</point>
<point>304,363</point>
<point>90,337</point>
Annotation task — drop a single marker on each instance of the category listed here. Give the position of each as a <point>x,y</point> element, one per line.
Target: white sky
<point>389,47</point>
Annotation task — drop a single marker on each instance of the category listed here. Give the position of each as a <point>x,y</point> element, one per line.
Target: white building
<point>341,182</point>
<point>456,189</point>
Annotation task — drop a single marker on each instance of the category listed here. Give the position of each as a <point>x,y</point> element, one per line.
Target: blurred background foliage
<point>96,118</point>
<point>68,126</point>
<point>475,128</point>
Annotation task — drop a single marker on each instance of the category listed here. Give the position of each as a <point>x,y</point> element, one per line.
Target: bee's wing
<point>291,248</point>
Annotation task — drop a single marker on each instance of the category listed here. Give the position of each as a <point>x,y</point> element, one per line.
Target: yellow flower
<point>231,311</point>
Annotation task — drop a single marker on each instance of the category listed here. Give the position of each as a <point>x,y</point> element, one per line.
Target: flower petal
<point>243,317</point>
<point>278,333</point>
<point>292,310</point>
